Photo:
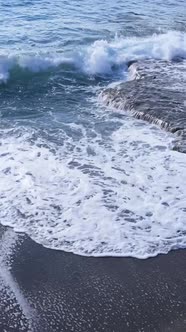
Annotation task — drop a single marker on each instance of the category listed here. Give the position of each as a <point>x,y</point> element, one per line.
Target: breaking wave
<point>102,57</point>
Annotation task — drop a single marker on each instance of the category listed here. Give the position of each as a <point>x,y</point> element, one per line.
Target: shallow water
<point>75,175</point>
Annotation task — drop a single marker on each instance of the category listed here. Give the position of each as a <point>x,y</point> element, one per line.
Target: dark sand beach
<point>50,290</point>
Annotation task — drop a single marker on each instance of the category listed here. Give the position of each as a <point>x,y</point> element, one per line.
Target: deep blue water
<point>71,170</point>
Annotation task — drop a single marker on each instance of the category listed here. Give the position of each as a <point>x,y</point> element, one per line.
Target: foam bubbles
<point>122,195</point>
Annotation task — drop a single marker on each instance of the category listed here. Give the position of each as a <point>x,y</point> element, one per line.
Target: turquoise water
<point>75,175</point>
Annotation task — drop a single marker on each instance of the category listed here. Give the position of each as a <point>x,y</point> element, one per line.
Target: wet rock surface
<point>155,92</point>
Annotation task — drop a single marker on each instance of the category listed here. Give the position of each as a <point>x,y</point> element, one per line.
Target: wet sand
<point>49,290</point>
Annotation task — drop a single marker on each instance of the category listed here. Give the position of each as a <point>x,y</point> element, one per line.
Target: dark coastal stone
<point>155,92</point>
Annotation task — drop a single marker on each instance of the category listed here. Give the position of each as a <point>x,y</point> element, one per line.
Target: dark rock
<point>155,92</point>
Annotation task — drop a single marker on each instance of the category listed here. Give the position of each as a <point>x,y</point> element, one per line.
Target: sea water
<point>76,175</point>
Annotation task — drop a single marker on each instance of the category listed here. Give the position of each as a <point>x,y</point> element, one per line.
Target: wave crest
<point>102,56</point>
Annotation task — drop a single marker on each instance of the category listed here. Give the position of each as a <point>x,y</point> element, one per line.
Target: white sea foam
<point>123,196</point>
<point>102,56</point>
